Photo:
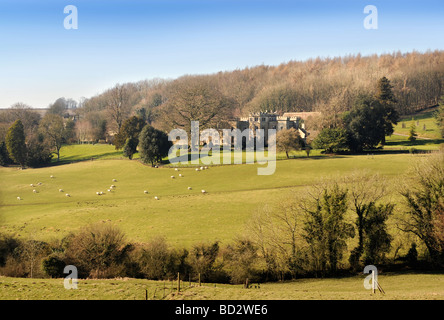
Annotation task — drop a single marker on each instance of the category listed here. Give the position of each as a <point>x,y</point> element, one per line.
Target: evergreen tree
<point>412,133</point>
<point>385,96</point>
<point>153,145</point>
<point>15,143</point>
<point>130,148</point>
<point>326,229</point>
<point>130,129</point>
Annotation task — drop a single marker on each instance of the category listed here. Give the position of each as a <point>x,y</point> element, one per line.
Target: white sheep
<point>146,192</point>
<point>203,191</point>
<point>114,180</point>
<point>189,188</point>
<point>176,169</point>
<point>206,168</point>
<point>202,168</point>
<point>32,185</point>
<point>18,198</point>
<point>68,195</point>
<point>197,169</point>
<point>101,193</point>
<point>39,183</point>
<point>109,190</point>
<point>98,193</point>
<point>60,190</point>
<point>180,175</point>
<point>172,177</point>
<point>52,177</point>
<point>157,198</point>
<point>35,191</point>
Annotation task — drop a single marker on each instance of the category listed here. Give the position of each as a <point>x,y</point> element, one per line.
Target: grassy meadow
<point>234,193</point>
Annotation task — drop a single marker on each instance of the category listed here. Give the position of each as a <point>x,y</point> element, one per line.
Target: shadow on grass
<point>419,142</point>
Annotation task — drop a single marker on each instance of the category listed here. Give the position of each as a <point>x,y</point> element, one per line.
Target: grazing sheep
<point>18,198</point>
<point>189,188</point>
<point>197,169</point>
<point>180,175</point>
<point>172,177</point>
<point>98,193</point>
<point>60,190</point>
<point>68,195</point>
<point>157,198</point>
<point>202,168</point>
<point>156,167</point>
<point>52,177</point>
<point>35,191</point>
<point>101,193</point>
<point>39,183</point>
<point>146,192</point>
<point>203,191</point>
<point>206,168</point>
<point>109,190</point>
<point>114,180</point>
<point>32,185</point>
<point>176,169</point>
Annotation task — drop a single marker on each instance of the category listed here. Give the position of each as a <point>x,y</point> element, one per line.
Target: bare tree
<point>118,104</point>
<point>195,99</point>
<point>53,129</point>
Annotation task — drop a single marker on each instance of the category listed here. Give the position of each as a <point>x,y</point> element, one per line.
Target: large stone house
<point>271,120</point>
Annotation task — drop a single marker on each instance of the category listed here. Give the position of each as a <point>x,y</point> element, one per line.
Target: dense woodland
<point>327,85</point>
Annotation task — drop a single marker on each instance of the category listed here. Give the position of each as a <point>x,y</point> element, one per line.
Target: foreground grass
<point>396,286</point>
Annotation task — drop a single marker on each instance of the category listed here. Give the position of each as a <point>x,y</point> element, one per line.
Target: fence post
<point>199,280</point>
<point>178,282</point>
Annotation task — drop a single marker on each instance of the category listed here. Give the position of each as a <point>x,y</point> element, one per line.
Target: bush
<point>240,258</point>
<point>331,140</point>
<point>202,259</point>
<point>53,266</point>
<point>99,251</point>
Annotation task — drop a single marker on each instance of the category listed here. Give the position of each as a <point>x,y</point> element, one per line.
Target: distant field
<point>424,122</point>
<point>396,286</point>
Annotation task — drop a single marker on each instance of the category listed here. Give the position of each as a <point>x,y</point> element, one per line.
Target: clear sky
<point>119,41</point>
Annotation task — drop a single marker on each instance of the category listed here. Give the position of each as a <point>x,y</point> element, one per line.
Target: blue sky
<point>120,41</point>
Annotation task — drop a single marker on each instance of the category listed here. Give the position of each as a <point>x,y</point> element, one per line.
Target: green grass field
<point>424,122</point>
<point>184,216</point>
<point>396,287</point>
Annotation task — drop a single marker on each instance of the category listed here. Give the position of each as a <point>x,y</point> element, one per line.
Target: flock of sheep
<point>112,187</point>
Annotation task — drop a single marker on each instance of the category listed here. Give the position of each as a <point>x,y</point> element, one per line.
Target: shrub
<point>98,251</point>
<point>53,266</point>
<point>202,259</point>
<point>240,258</point>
